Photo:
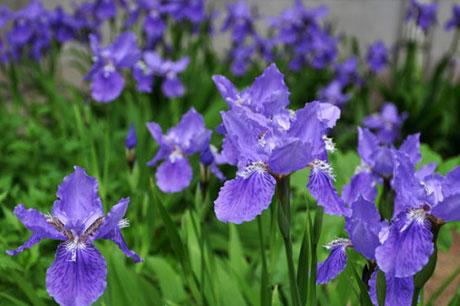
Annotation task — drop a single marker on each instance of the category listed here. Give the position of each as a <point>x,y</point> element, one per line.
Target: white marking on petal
<point>175,155</point>
<point>123,223</point>
<point>329,143</point>
<point>260,167</point>
<point>72,246</point>
<point>323,166</point>
<point>338,242</point>
<point>414,215</point>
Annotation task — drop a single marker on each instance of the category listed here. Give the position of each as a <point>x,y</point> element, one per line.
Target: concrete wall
<point>368,20</point>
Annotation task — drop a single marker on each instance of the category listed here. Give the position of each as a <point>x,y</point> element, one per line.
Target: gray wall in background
<point>368,20</point>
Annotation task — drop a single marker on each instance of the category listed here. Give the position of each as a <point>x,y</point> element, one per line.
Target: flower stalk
<point>284,223</point>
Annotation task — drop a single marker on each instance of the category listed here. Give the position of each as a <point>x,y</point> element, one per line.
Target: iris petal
<point>244,198</point>
<point>78,282</point>
<point>174,175</point>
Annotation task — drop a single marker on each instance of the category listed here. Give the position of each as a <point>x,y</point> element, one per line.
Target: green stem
<point>265,296</point>
<point>284,222</point>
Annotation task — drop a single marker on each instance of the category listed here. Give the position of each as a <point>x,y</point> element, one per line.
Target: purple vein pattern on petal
<point>244,198</point>
<point>333,265</point>
<point>80,282</point>
<point>408,246</point>
<point>35,222</point>
<point>78,204</point>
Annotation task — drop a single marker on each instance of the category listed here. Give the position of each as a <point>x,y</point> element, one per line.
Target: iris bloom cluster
<point>78,273</point>
<point>346,75</point>
<point>401,245</point>
<point>246,42</point>
<point>187,138</point>
<point>266,141</point>
<point>387,124</point>
<point>307,43</point>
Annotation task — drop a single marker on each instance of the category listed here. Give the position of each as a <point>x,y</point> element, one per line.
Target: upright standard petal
<point>361,184</point>
<point>363,227</point>
<point>190,134</point>
<point>269,94</point>
<point>111,228</point>
<point>411,147</point>
<point>226,88</point>
<point>125,51</point>
<point>77,282</point>
<point>106,86</point>
<point>367,145</point>
<point>78,204</point>
<point>335,263</point>
<point>291,157</point>
<point>245,197</point>
<point>408,247</point>
<point>321,188</point>
<point>165,147</point>
<point>37,223</point>
<point>410,192</point>
<point>309,127</point>
<point>174,174</point>
<point>451,184</point>
<point>448,209</point>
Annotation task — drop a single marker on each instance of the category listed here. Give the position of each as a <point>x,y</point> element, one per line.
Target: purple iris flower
<point>172,85</point>
<point>240,20</point>
<point>378,158</point>
<point>387,124</point>
<point>30,33</point>
<point>347,71</point>
<point>106,77</point>
<point>423,14</point>
<point>188,137</point>
<point>154,24</point>
<point>265,140</point>
<point>424,200</point>
<point>334,93</point>
<point>454,21</point>
<point>104,9</point>
<point>365,229</point>
<point>78,273</point>
<point>191,10</point>
<point>5,15</point>
<point>377,56</point>
<point>64,26</point>
<point>241,58</point>
<point>131,138</point>
<point>306,42</point>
